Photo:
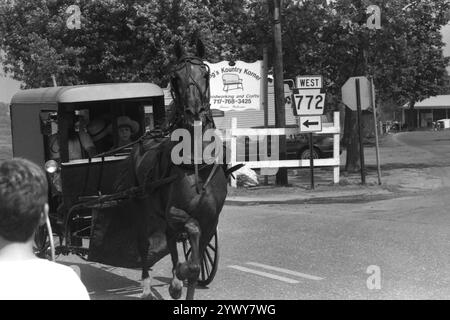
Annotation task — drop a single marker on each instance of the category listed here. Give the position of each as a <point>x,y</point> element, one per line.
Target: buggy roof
<point>87,93</point>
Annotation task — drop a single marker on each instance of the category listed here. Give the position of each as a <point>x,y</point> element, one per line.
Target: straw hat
<point>125,121</point>
<point>98,129</point>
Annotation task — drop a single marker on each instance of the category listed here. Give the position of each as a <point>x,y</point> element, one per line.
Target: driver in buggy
<point>80,143</point>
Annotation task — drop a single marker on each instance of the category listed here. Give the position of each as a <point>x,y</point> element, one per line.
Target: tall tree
<point>416,44</point>
<point>131,40</point>
<point>118,40</point>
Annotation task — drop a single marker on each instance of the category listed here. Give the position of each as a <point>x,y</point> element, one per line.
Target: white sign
<point>349,93</point>
<point>310,123</point>
<point>309,82</point>
<point>235,87</point>
<point>309,102</point>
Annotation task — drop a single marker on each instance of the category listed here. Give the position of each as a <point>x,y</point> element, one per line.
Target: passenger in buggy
<point>127,128</point>
<point>81,144</point>
<point>101,134</point>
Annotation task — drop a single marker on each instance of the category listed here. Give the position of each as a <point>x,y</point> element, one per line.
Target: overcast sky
<point>9,87</point>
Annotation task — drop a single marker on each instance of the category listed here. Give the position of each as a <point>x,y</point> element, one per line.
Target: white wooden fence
<point>334,162</point>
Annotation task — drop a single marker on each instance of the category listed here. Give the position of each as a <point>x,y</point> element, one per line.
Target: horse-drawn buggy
<point>125,204</point>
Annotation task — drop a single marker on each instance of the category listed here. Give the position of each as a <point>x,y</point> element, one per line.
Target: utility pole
<point>265,96</point>
<point>280,118</point>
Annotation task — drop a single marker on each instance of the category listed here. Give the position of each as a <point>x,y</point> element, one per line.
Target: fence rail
<point>295,163</point>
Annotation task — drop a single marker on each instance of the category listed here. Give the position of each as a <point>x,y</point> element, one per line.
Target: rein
<point>147,135</point>
<point>150,134</point>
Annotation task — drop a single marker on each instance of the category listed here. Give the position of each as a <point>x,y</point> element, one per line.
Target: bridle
<point>181,96</point>
<point>180,101</point>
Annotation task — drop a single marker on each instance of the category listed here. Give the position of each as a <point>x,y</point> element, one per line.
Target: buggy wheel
<point>41,243</point>
<point>209,262</point>
<point>77,229</point>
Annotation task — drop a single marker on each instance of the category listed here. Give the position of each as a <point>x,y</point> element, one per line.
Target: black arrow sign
<point>307,123</point>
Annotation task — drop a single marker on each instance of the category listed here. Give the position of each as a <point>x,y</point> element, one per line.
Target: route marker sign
<point>310,123</point>
<point>307,97</point>
<point>308,102</point>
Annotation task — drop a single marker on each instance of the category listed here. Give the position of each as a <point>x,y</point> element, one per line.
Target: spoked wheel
<point>305,154</point>
<point>209,261</point>
<point>41,243</point>
<point>78,229</point>
<point>44,242</point>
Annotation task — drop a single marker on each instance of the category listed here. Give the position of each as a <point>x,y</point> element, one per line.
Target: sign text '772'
<point>309,103</point>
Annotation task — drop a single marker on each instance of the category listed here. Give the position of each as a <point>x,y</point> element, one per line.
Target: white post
<point>233,181</point>
<point>336,147</point>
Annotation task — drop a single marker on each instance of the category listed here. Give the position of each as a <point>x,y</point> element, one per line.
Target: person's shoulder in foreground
<point>39,279</point>
<point>23,208</point>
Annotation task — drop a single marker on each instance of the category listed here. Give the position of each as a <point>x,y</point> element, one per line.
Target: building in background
<point>428,111</point>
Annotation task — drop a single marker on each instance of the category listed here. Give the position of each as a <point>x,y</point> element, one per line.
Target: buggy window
<point>49,130</point>
<point>106,119</point>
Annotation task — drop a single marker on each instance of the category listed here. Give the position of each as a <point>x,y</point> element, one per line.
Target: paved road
<point>318,251</point>
<point>329,246</point>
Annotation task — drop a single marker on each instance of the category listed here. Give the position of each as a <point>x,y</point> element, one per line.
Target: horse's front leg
<point>176,285</point>
<point>193,229</point>
<point>190,269</point>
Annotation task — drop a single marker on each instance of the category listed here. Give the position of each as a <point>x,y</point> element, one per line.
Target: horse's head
<point>189,81</point>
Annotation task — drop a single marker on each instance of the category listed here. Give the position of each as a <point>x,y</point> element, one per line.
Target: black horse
<point>191,198</point>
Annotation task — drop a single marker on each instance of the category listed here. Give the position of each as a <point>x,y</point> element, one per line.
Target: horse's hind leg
<point>193,229</point>
<point>153,249</point>
<point>176,285</point>
<point>143,248</point>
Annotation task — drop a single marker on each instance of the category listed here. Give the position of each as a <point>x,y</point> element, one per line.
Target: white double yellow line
<point>274,276</point>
